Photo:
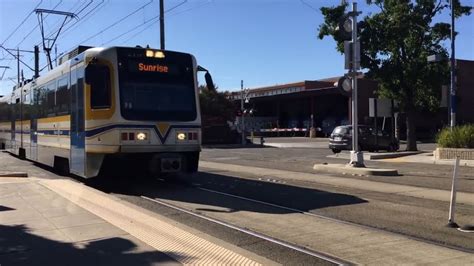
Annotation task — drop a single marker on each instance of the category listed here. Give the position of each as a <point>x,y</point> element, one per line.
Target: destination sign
<point>152,68</point>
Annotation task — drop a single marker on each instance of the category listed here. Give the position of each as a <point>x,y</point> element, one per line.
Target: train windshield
<point>157,88</point>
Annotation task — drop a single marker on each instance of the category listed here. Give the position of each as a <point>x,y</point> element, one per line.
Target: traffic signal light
<point>344,28</point>
<point>344,84</point>
<point>344,31</point>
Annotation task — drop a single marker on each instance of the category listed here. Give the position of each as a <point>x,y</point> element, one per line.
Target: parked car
<point>341,139</point>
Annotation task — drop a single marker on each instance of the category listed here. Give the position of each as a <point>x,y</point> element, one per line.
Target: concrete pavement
<point>39,227</point>
<point>59,221</point>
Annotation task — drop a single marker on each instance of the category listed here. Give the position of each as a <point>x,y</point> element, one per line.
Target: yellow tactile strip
<point>182,246</point>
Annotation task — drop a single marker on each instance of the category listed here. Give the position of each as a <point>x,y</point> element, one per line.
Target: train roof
<point>65,62</point>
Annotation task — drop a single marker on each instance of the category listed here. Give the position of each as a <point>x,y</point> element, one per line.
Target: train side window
<point>98,77</point>
<point>40,102</point>
<point>51,99</point>
<point>63,95</point>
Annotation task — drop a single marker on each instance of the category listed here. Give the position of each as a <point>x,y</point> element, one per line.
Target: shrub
<point>459,137</point>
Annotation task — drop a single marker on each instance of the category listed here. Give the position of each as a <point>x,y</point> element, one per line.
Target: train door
<point>34,126</point>
<point>77,134</point>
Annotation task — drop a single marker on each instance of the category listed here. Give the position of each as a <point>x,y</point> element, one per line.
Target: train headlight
<point>149,53</point>
<point>142,136</point>
<point>159,54</point>
<point>181,136</point>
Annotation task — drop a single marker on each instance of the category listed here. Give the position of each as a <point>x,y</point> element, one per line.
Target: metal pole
<point>36,62</point>
<point>452,206</point>
<point>453,70</point>
<point>242,110</point>
<point>56,55</point>
<point>357,158</point>
<point>162,24</point>
<point>19,86</point>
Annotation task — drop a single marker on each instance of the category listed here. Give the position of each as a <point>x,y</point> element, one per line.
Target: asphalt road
<point>302,160</point>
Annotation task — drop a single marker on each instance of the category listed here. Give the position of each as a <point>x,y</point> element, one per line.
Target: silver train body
<point>135,107</point>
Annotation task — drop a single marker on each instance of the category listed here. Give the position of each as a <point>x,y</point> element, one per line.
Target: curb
<point>347,169</point>
<point>370,156</point>
<point>13,174</point>
<point>393,155</point>
<point>231,146</point>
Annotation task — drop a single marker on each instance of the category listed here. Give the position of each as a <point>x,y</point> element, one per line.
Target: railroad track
<point>319,255</point>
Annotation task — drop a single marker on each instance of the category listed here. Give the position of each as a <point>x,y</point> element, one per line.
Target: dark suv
<point>341,139</point>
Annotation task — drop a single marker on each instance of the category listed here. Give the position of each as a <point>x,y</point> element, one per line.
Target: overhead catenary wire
<point>77,12</point>
<point>111,25</point>
<point>23,22</point>
<point>85,17</point>
<point>171,15</point>
<point>152,21</point>
<point>17,28</point>
<point>33,29</point>
<point>310,6</point>
<point>117,22</point>
<point>78,8</point>
<point>191,8</point>
<point>144,23</point>
<point>132,29</point>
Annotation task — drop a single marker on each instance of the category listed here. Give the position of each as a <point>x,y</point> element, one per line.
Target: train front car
<point>141,111</point>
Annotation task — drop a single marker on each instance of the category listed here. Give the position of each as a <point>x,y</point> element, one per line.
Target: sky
<point>262,42</point>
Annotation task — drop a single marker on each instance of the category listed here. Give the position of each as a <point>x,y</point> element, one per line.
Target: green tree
<point>215,105</point>
<point>395,44</point>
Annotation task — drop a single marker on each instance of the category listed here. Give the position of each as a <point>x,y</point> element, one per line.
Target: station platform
<point>63,222</point>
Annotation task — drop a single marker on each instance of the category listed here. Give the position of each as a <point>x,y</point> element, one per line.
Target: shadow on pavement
<point>188,188</point>
<point>19,246</point>
<point>5,208</point>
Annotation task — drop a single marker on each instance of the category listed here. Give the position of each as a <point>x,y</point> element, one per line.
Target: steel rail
<point>255,234</point>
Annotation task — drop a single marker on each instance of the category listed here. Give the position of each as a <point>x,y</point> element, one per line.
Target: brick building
<point>295,107</point>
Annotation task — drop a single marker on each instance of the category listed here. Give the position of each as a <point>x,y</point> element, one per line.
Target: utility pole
<point>162,24</point>
<point>20,87</point>
<point>36,51</point>
<point>56,55</point>
<point>453,70</point>
<point>242,110</point>
<point>15,56</point>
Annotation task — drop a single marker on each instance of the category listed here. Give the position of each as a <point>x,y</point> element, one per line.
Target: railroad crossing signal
<point>351,44</point>
<point>347,31</point>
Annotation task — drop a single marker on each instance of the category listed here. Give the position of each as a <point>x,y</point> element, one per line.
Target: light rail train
<point>137,106</point>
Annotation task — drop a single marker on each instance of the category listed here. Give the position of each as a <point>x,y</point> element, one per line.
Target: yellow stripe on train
<point>62,118</point>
